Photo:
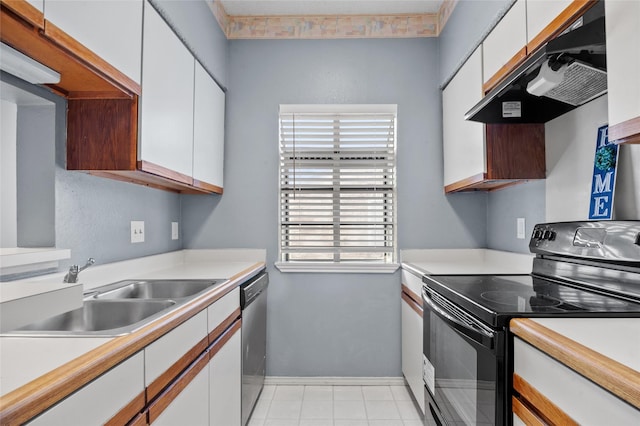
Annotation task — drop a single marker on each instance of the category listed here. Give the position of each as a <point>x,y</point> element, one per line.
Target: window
<point>337,187</point>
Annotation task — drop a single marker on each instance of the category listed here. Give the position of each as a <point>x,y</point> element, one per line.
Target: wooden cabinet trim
<point>224,338</point>
<point>626,132</point>
<point>166,398</point>
<point>26,11</point>
<point>541,406</point>
<point>40,394</point>
<point>505,70</point>
<point>158,170</point>
<point>219,330</point>
<point>207,186</point>
<point>561,22</point>
<point>90,59</point>
<point>140,420</point>
<point>465,183</point>
<point>413,304</point>
<point>129,411</point>
<point>161,382</point>
<point>622,381</point>
<point>416,298</point>
<point>527,416</point>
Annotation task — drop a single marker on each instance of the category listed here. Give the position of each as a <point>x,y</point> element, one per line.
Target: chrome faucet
<point>74,270</point>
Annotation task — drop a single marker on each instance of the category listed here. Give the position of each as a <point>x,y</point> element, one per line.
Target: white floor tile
<point>280,422</point>
<point>352,410</point>
<point>347,393</point>
<point>318,393</point>
<point>382,410</point>
<point>288,393</point>
<point>377,393</point>
<point>316,422</point>
<point>284,410</point>
<point>341,422</point>
<point>408,410</point>
<point>317,409</point>
<point>385,423</point>
<point>267,392</point>
<point>255,421</point>
<point>261,408</point>
<point>400,393</point>
<point>413,423</point>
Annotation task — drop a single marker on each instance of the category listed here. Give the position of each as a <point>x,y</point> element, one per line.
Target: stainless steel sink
<point>154,289</point>
<point>99,318</point>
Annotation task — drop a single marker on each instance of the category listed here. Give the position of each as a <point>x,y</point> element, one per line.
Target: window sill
<point>345,268</point>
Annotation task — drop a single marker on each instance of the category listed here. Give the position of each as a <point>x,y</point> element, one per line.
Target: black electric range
<point>581,269</point>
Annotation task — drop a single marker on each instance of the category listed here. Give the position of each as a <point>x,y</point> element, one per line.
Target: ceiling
<point>329,7</point>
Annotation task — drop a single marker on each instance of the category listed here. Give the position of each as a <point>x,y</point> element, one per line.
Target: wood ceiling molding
<point>332,26</point>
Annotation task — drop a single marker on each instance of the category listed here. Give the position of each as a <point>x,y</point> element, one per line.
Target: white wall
<point>8,198</point>
<point>570,151</point>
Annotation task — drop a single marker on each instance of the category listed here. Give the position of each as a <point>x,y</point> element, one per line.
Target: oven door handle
<point>478,335</point>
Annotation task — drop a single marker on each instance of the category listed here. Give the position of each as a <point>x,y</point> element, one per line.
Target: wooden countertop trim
<point>36,396</point>
<point>26,11</point>
<point>622,381</point>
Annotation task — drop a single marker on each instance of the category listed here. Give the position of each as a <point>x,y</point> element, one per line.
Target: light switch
<point>521,233</point>
<point>174,231</point>
<point>137,231</point>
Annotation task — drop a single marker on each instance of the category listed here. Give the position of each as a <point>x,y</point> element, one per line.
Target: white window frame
<point>344,266</point>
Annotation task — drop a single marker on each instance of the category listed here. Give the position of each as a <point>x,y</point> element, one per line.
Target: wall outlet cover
<point>137,231</point>
<point>174,231</point>
<point>521,233</point>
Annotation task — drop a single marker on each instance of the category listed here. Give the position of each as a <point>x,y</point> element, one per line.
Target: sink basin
<point>99,317</point>
<point>154,289</point>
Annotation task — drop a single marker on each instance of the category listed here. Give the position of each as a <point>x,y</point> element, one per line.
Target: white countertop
<point>24,359</point>
<point>466,261</point>
<point>615,338</point>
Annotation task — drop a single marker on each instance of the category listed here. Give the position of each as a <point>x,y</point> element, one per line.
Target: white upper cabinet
<point>208,129</point>
<point>463,140</point>
<point>166,130</point>
<point>623,67</point>
<point>540,13</point>
<point>507,39</point>
<point>110,29</point>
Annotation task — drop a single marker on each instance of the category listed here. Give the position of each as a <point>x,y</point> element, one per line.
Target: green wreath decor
<point>605,158</point>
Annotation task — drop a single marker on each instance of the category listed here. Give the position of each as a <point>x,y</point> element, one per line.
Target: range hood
<point>567,72</point>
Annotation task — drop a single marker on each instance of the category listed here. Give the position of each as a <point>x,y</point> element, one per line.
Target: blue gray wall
<point>332,324</point>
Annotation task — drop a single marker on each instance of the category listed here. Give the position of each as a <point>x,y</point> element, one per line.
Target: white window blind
<point>338,184</point>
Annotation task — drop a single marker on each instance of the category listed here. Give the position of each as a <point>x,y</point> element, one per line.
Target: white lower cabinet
<point>225,374</point>
<point>191,404</point>
<point>412,336</point>
<point>572,394</point>
<point>101,399</point>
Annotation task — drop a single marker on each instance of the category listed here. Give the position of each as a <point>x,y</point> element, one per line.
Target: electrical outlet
<point>137,231</point>
<point>174,231</point>
<point>521,233</point>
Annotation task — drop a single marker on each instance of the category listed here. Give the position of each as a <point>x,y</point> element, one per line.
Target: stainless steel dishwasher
<point>253,301</point>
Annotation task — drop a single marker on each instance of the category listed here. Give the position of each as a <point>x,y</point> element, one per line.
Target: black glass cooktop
<point>495,299</point>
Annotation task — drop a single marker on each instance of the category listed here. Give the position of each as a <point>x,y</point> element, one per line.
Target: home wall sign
<point>604,177</point>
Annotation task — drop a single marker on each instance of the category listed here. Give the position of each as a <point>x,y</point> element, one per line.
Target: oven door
<point>463,366</point>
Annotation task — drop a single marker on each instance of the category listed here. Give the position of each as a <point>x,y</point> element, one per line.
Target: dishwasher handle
<point>251,289</point>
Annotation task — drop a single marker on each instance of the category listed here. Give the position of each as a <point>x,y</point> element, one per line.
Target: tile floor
<point>335,406</point>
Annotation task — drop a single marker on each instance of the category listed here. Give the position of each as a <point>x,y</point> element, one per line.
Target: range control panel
<point>599,240</point>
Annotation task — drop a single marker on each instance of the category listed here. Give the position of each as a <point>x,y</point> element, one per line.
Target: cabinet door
<point>464,154</point>
<point>577,397</point>
<point>623,65</point>
<point>111,29</point>
<point>540,13</point>
<point>113,390</point>
<point>166,104</point>
<point>506,40</point>
<point>186,401</point>
<point>412,351</point>
<point>208,130</point>
<point>225,371</point>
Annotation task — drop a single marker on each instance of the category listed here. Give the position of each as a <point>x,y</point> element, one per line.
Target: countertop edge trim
<point>617,378</point>
<point>42,393</point>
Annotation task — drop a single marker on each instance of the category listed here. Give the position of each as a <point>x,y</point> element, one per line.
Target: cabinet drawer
<point>578,397</point>
<point>113,390</point>
<point>221,310</point>
<point>164,352</point>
